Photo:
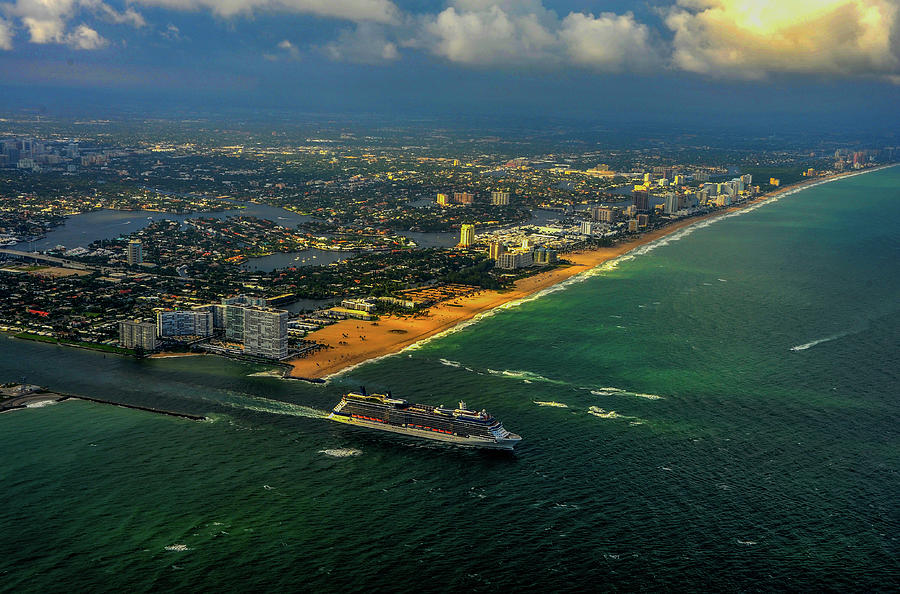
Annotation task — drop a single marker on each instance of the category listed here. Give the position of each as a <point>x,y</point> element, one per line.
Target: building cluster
<point>260,331</point>
<point>34,155</point>
<point>498,198</point>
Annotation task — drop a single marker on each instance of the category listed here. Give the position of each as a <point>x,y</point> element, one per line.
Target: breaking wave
<point>607,266</point>
<point>621,392</point>
<point>177,547</point>
<point>341,452</point>
<point>551,403</point>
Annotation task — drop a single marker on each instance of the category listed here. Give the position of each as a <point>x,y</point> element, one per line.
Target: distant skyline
<point>787,62</point>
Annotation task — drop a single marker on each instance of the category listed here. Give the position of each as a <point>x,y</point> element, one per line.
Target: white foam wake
<point>277,407</point>
<point>812,343</point>
<point>621,392</point>
<point>551,403</point>
<point>341,452</point>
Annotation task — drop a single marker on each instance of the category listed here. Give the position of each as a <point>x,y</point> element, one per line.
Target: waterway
<point>82,229</point>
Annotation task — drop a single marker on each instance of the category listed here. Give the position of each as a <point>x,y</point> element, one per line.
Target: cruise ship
<point>459,426</point>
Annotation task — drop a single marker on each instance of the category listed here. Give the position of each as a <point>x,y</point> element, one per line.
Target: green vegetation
<point>76,343</point>
<point>478,275</point>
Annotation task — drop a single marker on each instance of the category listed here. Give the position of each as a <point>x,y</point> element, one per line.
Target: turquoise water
<point>744,376</point>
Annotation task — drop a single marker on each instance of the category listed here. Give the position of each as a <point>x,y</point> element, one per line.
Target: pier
<point>18,396</point>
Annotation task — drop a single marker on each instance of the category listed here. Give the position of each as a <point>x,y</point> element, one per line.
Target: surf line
<point>676,233</point>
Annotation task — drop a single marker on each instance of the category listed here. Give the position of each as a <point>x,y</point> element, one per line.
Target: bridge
<point>42,258</point>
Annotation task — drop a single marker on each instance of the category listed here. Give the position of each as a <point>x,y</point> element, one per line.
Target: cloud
<point>751,38</point>
<point>366,44</point>
<point>47,21</point>
<point>609,42</point>
<point>85,38</point>
<point>128,17</point>
<point>524,32</point>
<point>6,35</point>
<point>379,11</point>
<point>288,51</point>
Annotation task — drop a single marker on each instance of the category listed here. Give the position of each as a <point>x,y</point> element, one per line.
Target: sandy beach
<point>353,341</point>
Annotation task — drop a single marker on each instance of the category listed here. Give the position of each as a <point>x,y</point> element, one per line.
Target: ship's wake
<point>266,405</point>
<point>812,343</point>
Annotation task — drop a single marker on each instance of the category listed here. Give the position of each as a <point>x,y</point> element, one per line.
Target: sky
<point>811,62</point>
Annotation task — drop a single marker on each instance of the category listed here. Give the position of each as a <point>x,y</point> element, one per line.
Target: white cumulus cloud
<point>380,11</point>
<point>751,38</point>
<point>609,41</point>
<point>366,44</point>
<point>85,38</point>
<point>520,32</point>
<point>47,21</point>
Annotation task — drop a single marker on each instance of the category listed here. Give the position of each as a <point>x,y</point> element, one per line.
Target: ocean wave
<point>341,452</point>
<point>449,363</point>
<point>40,403</point>
<point>605,267</point>
<point>621,392</point>
<point>603,413</point>
<point>177,547</point>
<point>269,373</point>
<point>551,403</point>
<point>528,376</point>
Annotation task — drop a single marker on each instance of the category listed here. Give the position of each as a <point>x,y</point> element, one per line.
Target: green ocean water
<point>743,436</point>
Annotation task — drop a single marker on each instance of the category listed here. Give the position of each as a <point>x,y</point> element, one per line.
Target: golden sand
<point>353,341</point>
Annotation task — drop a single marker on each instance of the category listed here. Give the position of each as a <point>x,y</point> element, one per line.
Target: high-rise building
<point>134,335</point>
<point>641,200</point>
<point>463,197</point>
<point>604,214</point>
<point>544,256</point>
<point>467,235</point>
<point>265,332</point>
<point>496,248</point>
<point>246,300</point>
<point>672,204</point>
<point>500,198</point>
<point>643,220</point>
<point>184,323</point>
<point>217,312</point>
<point>517,259</point>
<point>234,323</point>
<point>135,253</point>
<point>443,200</point>
<point>587,228</point>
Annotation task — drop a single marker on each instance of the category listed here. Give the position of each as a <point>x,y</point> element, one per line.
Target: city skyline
<point>789,64</point>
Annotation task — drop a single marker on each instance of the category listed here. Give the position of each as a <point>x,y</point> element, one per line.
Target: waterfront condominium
<point>265,332</point>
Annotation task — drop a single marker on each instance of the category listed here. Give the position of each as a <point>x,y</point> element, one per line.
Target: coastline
<point>354,342</point>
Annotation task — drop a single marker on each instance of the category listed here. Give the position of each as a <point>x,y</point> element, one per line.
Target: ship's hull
<point>472,442</point>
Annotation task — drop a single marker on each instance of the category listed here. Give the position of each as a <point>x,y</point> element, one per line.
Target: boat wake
<point>275,407</point>
<point>812,343</point>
